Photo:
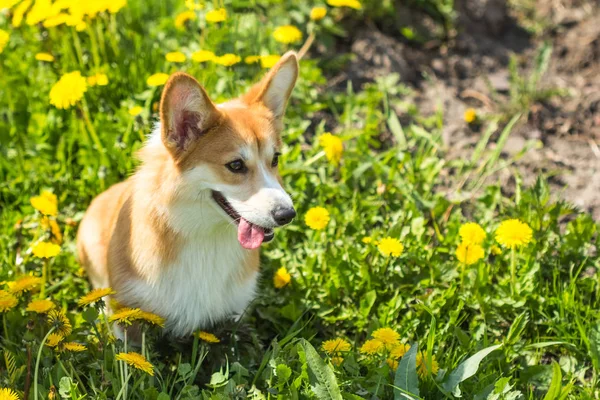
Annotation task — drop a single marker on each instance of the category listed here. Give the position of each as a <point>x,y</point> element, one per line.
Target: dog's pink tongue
<point>250,236</point>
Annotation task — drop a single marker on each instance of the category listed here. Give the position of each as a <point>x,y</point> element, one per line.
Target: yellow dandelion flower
<point>371,347</point>
<point>40,306</point>
<point>60,321</point>
<point>252,59</point>
<point>152,318</point>
<point>41,10</point>
<point>281,278</point>
<point>8,394</point>
<point>97,79</point>
<point>218,15</point>
<point>192,5</point>
<point>399,351</point>
<point>203,56</point>
<point>7,301</point>
<point>471,233</point>
<point>114,6</point>
<point>269,61</point>
<point>135,111</point>
<point>337,360</point>
<point>422,365</point>
<point>287,34</point>
<point>390,247</point>
<point>158,79</point>
<point>95,295</point>
<point>46,203</point>
<point>68,90</point>
<point>393,364</point>
<point>24,284</point>
<point>227,60</point>
<point>56,20</point>
<point>496,250</point>
<point>387,336</point>
<point>469,253</point>
<point>345,3</point>
<point>4,37</point>
<point>19,12</point>
<point>318,13</point>
<point>470,115</point>
<point>54,339</point>
<point>44,57</point>
<point>136,360</point>
<point>182,18</point>
<point>333,147</point>
<point>74,347</point>
<point>513,233</point>
<point>125,315</point>
<point>208,337</point>
<point>335,346</point>
<point>367,240</point>
<point>175,57</point>
<point>46,250</point>
<point>51,224</point>
<point>317,218</point>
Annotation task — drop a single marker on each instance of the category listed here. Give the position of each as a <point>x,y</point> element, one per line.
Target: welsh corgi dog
<point>181,237</point>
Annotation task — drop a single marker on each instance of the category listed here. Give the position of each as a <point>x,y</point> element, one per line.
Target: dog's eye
<point>237,166</point>
<point>275,161</point>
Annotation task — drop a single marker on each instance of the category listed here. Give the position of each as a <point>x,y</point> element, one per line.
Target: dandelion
<point>54,339</point>
<point>95,295</point>
<point>513,233</point>
<point>114,6</point>
<point>287,34</point>
<point>208,337</point>
<point>496,250</point>
<point>47,57</point>
<point>269,61</point>
<point>422,365</point>
<point>152,318</point>
<point>60,321</point>
<point>393,364</point>
<point>281,278</point>
<point>317,218</point>
<point>4,36</point>
<point>46,250</point>
<point>390,247</point>
<point>7,301</point>
<point>8,394</point>
<point>182,18</point>
<point>252,59</point>
<point>337,360</point>
<point>158,79</point>
<point>345,3</point>
<point>318,13</point>
<point>387,336</point>
<point>135,111</point>
<point>98,79</point>
<point>126,315</point>
<point>218,15</point>
<point>41,10</point>
<point>371,347</point>
<point>24,284</point>
<point>399,351</point>
<point>136,360</point>
<point>227,59</point>
<point>46,203</point>
<point>175,57</point>
<point>470,115</point>
<point>19,12</point>
<point>68,90</point>
<point>40,306</point>
<point>333,147</point>
<point>471,233</point>
<point>203,56</point>
<point>367,240</point>
<point>336,346</point>
<point>469,254</point>
<point>74,347</point>
<point>192,5</point>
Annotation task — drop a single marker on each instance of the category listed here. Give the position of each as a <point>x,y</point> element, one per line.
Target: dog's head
<point>229,152</point>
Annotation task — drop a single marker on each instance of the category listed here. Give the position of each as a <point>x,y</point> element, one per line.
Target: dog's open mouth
<point>250,236</point>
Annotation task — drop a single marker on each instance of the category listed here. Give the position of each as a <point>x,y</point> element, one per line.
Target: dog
<point>180,238</point>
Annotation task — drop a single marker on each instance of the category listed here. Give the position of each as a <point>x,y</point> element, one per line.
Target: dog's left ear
<point>274,90</point>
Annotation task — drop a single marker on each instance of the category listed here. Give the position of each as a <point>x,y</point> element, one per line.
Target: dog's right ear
<point>186,113</point>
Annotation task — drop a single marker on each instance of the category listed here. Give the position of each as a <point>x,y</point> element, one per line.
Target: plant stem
<point>513,272</point>
<point>37,363</point>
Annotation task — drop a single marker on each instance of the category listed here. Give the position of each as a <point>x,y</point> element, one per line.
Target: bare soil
<point>472,70</point>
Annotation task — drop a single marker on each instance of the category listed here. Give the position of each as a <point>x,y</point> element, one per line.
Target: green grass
<point>537,337</point>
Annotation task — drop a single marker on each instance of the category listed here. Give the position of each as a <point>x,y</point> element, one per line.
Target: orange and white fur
<point>180,237</point>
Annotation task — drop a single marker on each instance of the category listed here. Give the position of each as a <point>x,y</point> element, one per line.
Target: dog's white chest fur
<point>205,284</point>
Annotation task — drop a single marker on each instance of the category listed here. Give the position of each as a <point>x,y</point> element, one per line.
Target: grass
<point>522,323</point>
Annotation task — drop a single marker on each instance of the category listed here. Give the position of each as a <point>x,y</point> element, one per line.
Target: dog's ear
<point>274,90</point>
<point>186,112</point>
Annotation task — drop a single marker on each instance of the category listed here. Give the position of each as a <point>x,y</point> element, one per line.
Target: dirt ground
<point>472,70</point>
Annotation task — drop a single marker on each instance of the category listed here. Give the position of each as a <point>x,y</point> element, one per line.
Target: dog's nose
<point>284,215</point>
